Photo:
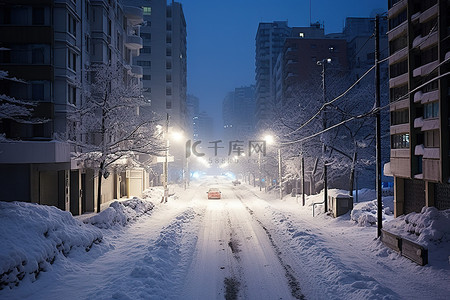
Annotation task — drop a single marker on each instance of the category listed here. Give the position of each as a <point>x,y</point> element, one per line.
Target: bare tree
<point>108,125</point>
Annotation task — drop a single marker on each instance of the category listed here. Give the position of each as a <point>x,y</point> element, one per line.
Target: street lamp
<point>270,140</point>
<point>323,63</point>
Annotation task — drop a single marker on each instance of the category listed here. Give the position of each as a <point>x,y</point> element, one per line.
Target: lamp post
<point>323,63</point>
<point>166,163</point>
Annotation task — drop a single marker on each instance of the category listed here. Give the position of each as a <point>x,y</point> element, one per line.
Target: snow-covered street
<point>247,245</point>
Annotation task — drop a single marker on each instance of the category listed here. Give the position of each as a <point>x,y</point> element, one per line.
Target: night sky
<point>221,38</point>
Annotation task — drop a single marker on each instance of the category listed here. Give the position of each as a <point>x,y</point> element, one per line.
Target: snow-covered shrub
<point>120,213</point>
<point>33,236</point>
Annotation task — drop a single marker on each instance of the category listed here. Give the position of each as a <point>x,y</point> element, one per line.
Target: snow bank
<point>32,237</point>
<point>365,213</point>
<point>429,227</point>
<point>120,213</point>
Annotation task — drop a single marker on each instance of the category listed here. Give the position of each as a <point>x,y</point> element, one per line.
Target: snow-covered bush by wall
<point>429,227</point>
<point>120,213</point>
<point>32,236</point>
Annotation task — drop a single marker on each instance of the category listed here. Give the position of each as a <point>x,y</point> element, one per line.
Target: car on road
<point>214,193</point>
<point>236,182</point>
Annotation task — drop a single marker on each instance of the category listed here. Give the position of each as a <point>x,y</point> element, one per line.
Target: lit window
<point>301,34</point>
<point>147,11</point>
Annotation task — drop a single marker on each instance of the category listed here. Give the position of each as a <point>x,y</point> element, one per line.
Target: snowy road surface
<point>248,245</point>
<point>234,256</point>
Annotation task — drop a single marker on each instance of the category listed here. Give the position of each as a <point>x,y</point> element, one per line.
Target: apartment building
<point>238,109</point>
<point>52,43</point>
<point>163,58</point>
<point>269,42</point>
<point>419,47</point>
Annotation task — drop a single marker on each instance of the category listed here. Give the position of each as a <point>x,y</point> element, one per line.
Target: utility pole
<point>166,163</point>
<point>259,166</point>
<point>324,125</point>
<point>303,180</point>
<point>280,176</point>
<point>378,128</point>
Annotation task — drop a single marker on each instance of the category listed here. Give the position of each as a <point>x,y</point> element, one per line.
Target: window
<point>147,11</point>
<point>431,139</point>
<point>37,55</point>
<point>301,34</point>
<point>168,104</point>
<point>168,65</point>
<point>109,27</point>
<point>37,91</point>
<point>169,12</point>
<point>72,26</point>
<point>169,78</point>
<point>431,110</point>
<point>169,52</point>
<point>400,92</point>
<point>38,16</point>
<point>72,95</point>
<point>168,91</point>
<point>147,77</point>
<point>72,61</point>
<point>398,44</point>
<point>398,68</point>
<point>400,141</point>
<point>146,36</point>
<point>429,55</point>
<point>400,117</point>
<point>432,86</point>
<point>168,39</point>
<point>169,26</point>
<point>146,49</point>
<point>397,20</point>
<point>144,63</point>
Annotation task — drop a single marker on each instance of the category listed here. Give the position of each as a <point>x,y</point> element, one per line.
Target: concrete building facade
<point>163,58</point>
<point>419,47</point>
<point>52,45</point>
<point>269,42</point>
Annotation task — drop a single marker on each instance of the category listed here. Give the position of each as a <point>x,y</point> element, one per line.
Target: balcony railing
<point>133,42</point>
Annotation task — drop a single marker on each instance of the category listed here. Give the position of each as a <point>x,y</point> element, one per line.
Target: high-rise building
<point>238,109</point>
<point>269,42</point>
<point>419,44</point>
<point>192,110</point>
<point>51,45</point>
<point>163,58</point>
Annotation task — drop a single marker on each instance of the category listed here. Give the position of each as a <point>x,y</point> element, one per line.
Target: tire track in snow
<point>293,283</point>
<point>336,278</point>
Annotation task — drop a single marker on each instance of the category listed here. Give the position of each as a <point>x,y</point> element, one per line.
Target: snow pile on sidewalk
<point>32,237</point>
<point>120,213</point>
<point>365,213</point>
<point>429,227</point>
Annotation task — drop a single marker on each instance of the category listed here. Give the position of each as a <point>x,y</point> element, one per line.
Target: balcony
<point>429,13</point>
<point>397,7</point>
<point>398,81</point>
<point>426,41</point>
<point>426,97</point>
<point>35,152</point>
<point>430,124</point>
<point>137,71</point>
<point>398,56</point>
<point>397,31</point>
<point>418,122</point>
<point>134,14</point>
<point>133,42</point>
<point>425,69</point>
